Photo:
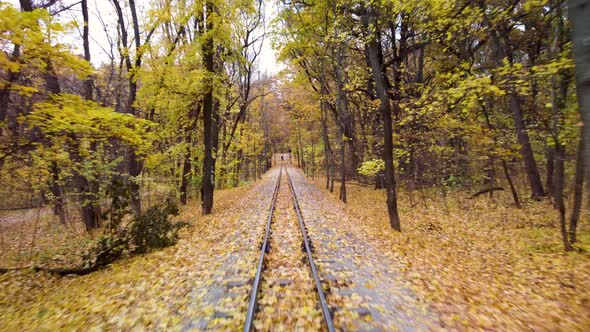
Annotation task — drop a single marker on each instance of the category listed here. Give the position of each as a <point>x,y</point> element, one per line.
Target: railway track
<point>266,248</point>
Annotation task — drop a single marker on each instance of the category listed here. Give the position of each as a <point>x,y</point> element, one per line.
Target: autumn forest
<point>280,165</point>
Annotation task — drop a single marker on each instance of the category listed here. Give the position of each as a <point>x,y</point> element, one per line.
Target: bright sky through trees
<point>103,11</point>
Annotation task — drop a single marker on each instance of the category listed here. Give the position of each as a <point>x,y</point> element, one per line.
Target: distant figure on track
<point>282,159</point>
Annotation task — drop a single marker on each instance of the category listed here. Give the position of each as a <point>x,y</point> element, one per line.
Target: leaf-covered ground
<point>458,264</point>
<point>34,237</point>
<point>362,274</point>
<point>287,298</point>
<point>200,283</point>
<point>482,264</point>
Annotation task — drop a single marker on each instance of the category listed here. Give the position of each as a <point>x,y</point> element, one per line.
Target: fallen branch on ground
<point>488,190</point>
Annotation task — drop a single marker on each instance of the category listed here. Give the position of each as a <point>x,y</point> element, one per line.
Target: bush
<point>371,168</point>
<point>153,230</point>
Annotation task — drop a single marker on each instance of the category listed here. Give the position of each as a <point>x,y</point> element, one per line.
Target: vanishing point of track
<point>252,305</point>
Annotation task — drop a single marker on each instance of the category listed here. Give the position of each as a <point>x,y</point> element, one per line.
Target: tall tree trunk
<point>57,192</point>
<point>342,170</point>
<point>550,170</point>
<point>326,139</point>
<point>525,147</point>
<point>579,11</point>
<point>500,52</point>
<point>209,117</point>
<point>208,169</point>
<point>341,109</point>
<point>186,171</point>
<point>6,89</point>
<point>134,166</point>
<point>88,190</point>
<point>53,87</point>
<point>376,60</point>
<point>559,201</point>
<point>193,117</point>
<point>578,189</point>
<point>511,184</point>
<point>223,166</point>
<point>559,94</point>
<point>504,163</point>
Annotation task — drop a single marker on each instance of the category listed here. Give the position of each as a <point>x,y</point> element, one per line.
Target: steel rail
<point>252,305</point>
<point>314,270</point>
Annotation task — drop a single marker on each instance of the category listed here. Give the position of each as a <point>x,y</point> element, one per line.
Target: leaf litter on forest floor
<point>187,286</point>
<point>363,279</point>
<point>482,264</point>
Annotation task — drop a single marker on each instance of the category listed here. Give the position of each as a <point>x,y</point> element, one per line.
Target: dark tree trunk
<point>327,152</point>
<point>134,166</point>
<point>559,201</point>
<point>500,52</point>
<point>6,89</point>
<point>57,192</point>
<point>550,170</point>
<point>525,148</point>
<point>559,94</point>
<point>210,118</point>
<point>324,119</point>
<point>193,117</point>
<point>208,168</point>
<point>53,87</point>
<point>342,171</point>
<point>511,184</point>
<point>88,190</point>
<point>223,170</point>
<point>578,189</point>
<point>186,171</point>
<point>579,11</point>
<point>381,87</point>
<point>504,163</point>
<point>342,116</point>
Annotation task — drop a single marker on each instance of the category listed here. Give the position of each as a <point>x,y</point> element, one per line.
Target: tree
<point>578,13</point>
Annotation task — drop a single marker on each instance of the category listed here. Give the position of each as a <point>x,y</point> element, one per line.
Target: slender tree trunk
<point>342,171</point>
<point>57,192</point>
<point>222,170</point>
<point>87,189</point>
<point>343,118</point>
<point>559,201</point>
<point>186,170</point>
<point>313,161</point>
<point>559,94</point>
<point>525,147</point>
<point>186,167</point>
<point>53,87</point>
<point>332,175</point>
<point>134,166</point>
<point>326,138</point>
<point>578,189</point>
<point>511,184</point>
<point>500,53</point>
<point>376,60</point>
<point>550,170</point>
<point>504,163</point>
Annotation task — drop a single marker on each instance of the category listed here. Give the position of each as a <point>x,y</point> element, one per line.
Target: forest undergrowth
<point>482,263</point>
<point>144,291</point>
